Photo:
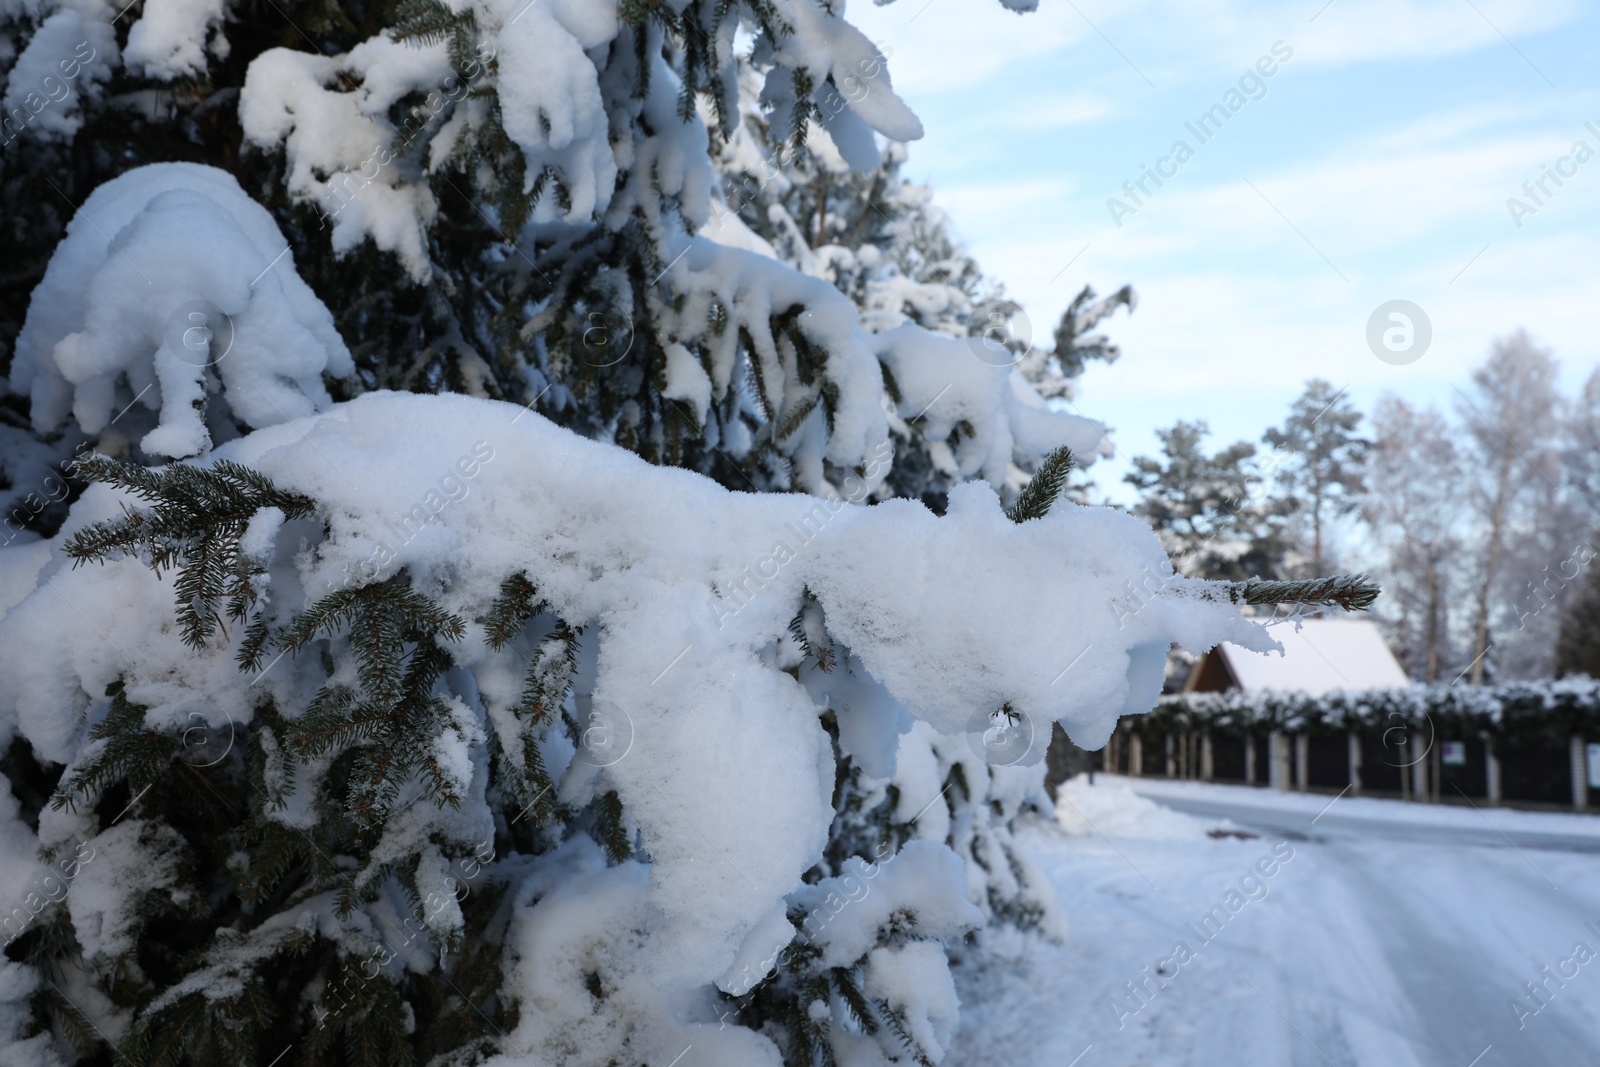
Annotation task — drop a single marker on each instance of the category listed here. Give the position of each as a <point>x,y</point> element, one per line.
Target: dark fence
<point>1536,744</point>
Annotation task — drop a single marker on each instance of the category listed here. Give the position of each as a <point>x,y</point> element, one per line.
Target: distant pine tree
<point>1213,512</point>
<point>1578,643</point>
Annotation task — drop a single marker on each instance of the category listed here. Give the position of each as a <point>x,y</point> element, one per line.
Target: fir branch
<point>254,646</point>
<point>809,630</point>
<point>197,517</point>
<point>549,677</point>
<point>611,827</point>
<point>382,620</point>
<point>844,981</point>
<point>545,686</point>
<point>796,416</point>
<point>389,725</point>
<point>830,401</point>
<point>78,1028</point>
<point>1044,488</point>
<point>276,850</point>
<point>1352,592</point>
<point>429,22</point>
<point>511,610</point>
<point>131,751</point>
<point>897,1025</point>
<point>891,386</point>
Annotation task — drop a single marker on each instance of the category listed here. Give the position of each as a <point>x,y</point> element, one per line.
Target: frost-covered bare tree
<point>1413,509</point>
<point>1511,417</point>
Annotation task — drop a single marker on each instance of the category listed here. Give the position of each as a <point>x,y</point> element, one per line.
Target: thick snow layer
<point>682,588</point>
<point>342,153</point>
<point>913,880</point>
<point>949,385</point>
<point>550,94</point>
<point>171,284</point>
<point>131,859</point>
<point>1319,656</point>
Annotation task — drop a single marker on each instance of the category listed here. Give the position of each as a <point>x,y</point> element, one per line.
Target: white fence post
<point>1135,754</point>
<point>1207,760</point>
<point>1354,750</point>
<point>1278,761</point>
<point>1249,759</point>
<point>1419,769</point>
<point>1302,761</point>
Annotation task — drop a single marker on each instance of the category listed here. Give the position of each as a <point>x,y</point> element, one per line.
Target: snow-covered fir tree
<point>400,727</point>
<point>845,214</point>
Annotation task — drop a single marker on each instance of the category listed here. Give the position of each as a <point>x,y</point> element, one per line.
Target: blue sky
<point>1375,165</point>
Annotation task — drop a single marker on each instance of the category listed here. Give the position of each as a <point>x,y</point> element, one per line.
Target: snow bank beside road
<point>1111,807</point>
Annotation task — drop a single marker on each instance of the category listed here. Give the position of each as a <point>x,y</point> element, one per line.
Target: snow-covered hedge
<point>1517,712</point>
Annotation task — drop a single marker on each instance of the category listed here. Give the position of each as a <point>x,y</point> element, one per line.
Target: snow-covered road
<point>1367,933</point>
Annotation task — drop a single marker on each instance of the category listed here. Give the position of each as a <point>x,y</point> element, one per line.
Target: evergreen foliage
<point>220,976</point>
<point>195,526</point>
<point>1044,488</point>
<point>1578,644</point>
<point>234,865</point>
<point>1348,592</point>
<point>881,240</point>
<point>1211,511</point>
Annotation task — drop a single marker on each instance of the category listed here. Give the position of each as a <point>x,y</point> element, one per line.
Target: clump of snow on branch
<point>172,285</point>
<point>563,86</point>
<point>343,154</point>
<point>174,38</point>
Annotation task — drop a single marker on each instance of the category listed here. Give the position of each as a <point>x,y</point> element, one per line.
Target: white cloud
<point>946,45</point>
<point>1237,310</point>
<point>1362,31</point>
<point>958,44</point>
<point>1052,113</point>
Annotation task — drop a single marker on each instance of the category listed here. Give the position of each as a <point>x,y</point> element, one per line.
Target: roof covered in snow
<point>1319,656</point>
